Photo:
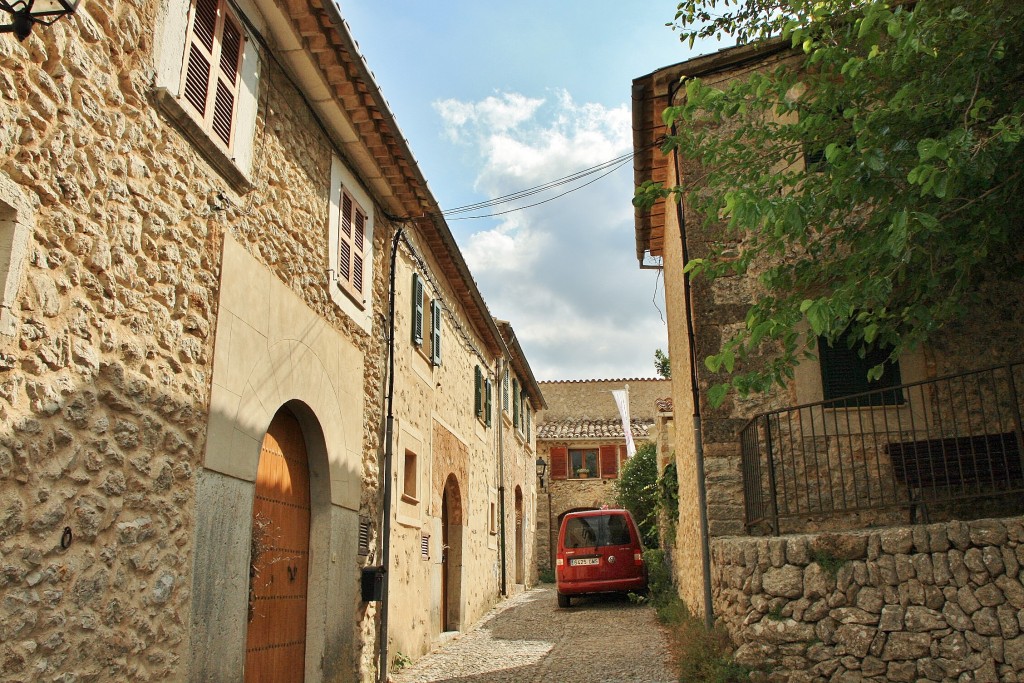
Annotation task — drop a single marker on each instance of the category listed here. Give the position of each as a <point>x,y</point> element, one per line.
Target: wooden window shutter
<point>213,57</point>
<point>351,241</point>
<point>488,408</point>
<point>526,414</point>
<point>478,401</point>
<point>559,462</point>
<point>358,244</point>
<point>417,310</point>
<point>515,403</point>
<point>435,332</point>
<point>609,456</point>
<point>623,455</point>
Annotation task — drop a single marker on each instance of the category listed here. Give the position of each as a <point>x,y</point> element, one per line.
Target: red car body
<point>599,551</point>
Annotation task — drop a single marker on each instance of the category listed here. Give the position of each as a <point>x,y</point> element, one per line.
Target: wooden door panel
<point>276,635</point>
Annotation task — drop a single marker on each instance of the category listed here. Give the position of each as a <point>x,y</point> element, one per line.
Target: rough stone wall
<point>939,602</point>
<point>591,398</point>
<point>105,385</point>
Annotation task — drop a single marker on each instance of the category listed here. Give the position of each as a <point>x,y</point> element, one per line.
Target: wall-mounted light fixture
<point>541,469</point>
<point>26,13</point>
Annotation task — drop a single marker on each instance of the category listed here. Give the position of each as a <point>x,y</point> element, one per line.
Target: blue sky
<point>495,98</point>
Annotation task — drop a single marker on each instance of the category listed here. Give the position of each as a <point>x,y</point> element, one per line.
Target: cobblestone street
<point>528,638</point>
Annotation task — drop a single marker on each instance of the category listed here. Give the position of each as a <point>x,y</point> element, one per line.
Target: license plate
<point>584,561</point>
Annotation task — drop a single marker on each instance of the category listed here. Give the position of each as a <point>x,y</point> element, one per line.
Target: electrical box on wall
<point>373,584</point>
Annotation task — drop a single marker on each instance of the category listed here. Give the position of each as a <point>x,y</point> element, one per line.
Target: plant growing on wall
<point>874,186</point>
<point>636,490</point>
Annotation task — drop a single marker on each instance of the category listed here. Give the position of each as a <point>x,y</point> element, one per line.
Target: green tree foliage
<point>637,491</point>
<point>662,365</point>
<point>912,114</point>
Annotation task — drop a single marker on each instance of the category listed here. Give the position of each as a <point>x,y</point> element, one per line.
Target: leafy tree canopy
<point>911,116</point>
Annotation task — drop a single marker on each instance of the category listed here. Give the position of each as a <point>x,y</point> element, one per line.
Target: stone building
<point>580,439</point>
<point>197,206</point>
<point>876,438</point>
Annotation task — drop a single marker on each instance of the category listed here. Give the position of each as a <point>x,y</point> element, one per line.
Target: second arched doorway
<point>451,555</point>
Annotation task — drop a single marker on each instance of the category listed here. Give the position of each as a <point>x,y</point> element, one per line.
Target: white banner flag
<point>622,401</point>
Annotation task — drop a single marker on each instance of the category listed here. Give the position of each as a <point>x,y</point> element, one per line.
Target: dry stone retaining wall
<point>939,602</point>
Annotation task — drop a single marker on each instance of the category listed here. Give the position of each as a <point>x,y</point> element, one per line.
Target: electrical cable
<point>551,199</point>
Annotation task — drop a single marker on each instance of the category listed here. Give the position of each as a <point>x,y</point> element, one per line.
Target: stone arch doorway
<point>520,541</point>
<point>275,647</point>
<point>451,555</point>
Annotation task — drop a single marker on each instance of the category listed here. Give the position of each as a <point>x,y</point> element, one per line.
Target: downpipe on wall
<point>501,481</point>
<point>382,665</point>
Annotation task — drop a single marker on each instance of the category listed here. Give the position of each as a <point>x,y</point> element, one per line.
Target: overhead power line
<point>604,169</point>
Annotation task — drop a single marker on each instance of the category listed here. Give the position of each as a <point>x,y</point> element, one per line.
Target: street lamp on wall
<point>26,13</point>
<point>541,469</point>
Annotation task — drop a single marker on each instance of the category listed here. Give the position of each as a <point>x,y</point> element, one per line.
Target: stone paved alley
<point>529,639</point>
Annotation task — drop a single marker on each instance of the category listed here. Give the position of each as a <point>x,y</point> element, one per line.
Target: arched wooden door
<point>520,544</point>
<point>445,559</point>
<point>275,645</point>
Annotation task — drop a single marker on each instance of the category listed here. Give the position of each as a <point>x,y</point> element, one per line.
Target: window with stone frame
<point>212,68</point>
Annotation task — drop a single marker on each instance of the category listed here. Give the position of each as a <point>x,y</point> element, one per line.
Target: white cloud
<point>563,272</point>
<point>498,114</point>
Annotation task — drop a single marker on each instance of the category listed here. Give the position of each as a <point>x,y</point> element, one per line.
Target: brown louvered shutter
<point>623,454</point>
<point>213,59</point>
<point>345,239</point>
<point>357,251</point>
<point>227,78</point>
<point>559,462</point>
<point>351,236</point>
<point>609,462</point>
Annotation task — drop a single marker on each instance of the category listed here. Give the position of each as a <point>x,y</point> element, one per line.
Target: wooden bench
<point>985,461</point>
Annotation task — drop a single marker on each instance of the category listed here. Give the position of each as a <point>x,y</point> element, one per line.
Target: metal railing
<point>948,448</point>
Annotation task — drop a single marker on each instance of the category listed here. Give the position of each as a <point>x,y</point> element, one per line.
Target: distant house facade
<point>813,459</point>
<point>198,205</point>
<point>581,441</point>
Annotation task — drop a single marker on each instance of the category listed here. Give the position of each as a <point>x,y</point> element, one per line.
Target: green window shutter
<point>487,402</point>
<point>526,414</point>
<point>478,403</point>
<point>515,403</point>
<point>435,331</point>
<point>417,310</point>
<point>844,372</point>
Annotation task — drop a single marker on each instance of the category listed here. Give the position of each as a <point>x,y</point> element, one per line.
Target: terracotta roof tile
<point>664,405</point>
<point>586,428</point>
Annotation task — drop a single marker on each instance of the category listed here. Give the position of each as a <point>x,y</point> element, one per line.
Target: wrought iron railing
<point>941,449</point>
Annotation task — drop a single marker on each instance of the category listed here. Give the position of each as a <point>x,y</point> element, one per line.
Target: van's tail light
<point>638,559</point>
<point>559,561</point>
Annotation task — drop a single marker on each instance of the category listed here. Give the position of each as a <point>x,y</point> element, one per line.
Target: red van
<point>599,551</point>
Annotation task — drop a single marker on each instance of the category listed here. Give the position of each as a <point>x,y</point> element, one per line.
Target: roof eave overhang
<point>316,46</point>
<point>651,94</point>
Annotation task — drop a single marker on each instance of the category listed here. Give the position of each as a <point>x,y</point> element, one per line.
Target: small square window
<point>583,464</point>
<point>409,477</point>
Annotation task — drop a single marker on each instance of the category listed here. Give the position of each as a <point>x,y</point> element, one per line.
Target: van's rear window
<point>596,531</point>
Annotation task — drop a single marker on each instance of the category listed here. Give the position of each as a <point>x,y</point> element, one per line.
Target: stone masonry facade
<point>939,602</point>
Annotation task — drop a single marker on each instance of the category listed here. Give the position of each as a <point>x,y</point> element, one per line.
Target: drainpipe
<point>702,493</point>
<point>382,666</point>
<point>501,478</point>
